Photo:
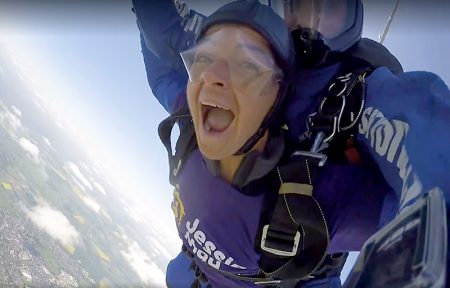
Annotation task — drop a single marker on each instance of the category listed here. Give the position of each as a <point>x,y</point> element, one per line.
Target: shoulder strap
<point>186,142</point>
<point>375,55</point>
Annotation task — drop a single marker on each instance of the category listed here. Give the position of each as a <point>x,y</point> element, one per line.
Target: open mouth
<point>216,118</point>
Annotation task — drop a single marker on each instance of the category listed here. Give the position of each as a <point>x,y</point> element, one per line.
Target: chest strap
<point>295,241</point>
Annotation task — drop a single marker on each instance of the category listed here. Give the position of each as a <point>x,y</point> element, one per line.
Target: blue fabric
<point>332,282</point>
<point>403,137</point>
<point>405,128</point>
<point>178,274</point>
<point>167,28</point>
<point>167,84</point>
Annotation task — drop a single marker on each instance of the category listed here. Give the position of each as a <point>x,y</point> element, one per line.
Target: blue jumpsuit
<point>402,137</point>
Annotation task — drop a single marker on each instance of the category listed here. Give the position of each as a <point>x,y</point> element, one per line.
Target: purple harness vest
<point>218,224</point>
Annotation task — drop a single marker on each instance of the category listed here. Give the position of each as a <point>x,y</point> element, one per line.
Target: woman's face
<point>232,87</point>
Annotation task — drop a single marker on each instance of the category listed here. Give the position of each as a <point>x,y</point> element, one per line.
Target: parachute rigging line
<point>389,22</point>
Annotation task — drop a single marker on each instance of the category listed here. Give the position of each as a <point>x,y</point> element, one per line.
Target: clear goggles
<point>232,57</point>
<point>329,17</point>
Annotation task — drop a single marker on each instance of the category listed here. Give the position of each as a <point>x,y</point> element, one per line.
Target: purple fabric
<point>220,223</point>
<point>351,197</point>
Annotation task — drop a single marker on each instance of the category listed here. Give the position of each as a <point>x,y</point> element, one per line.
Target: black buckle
<point>279,239</point>
<point>328,120</point>
<point>331,108</point>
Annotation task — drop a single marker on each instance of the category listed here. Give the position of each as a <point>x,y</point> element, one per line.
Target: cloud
<point>14,59</point>
<point>91,203</point>
<point>135,216</point>
<point>141,263</point>
<point>77,173</point>
<point>16,111</point>
<point>105,214</point>
<point>38,105</point>
<point>100,188</point>
<point>31,148</point>
<point>2,71</point>
<point>47,141</point>
<point>160,248</point>
<point>9,120</point>
<point>54,223</point>
<point>84,166</point>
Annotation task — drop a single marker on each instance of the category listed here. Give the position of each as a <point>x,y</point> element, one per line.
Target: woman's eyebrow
<point>204,40</point>
<point>242,46</point>
<point>254,48</point>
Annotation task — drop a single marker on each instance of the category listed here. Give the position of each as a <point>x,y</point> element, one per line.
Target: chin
<point>212,155</point>
<point>213,152</point>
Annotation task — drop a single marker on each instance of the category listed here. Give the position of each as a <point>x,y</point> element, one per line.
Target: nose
<point>217,74</point>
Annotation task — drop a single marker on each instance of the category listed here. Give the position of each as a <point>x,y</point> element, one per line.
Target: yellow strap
<point>296,188</point>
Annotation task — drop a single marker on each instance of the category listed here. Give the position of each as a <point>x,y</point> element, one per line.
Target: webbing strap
<point>186,141</point>
<point>296,212</point>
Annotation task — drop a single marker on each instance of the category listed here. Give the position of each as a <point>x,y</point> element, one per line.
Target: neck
<point>230,165</point>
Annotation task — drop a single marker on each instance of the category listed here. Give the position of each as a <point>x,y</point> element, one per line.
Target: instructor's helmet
<point>337,22</point>
<point>320,26</point>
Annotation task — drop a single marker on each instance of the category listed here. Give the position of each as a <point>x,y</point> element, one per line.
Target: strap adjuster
<point>278,252</point>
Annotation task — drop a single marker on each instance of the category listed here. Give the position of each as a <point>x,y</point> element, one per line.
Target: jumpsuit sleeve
<point>179,272</point>
<point>166,27</point>
<point>405,126</point>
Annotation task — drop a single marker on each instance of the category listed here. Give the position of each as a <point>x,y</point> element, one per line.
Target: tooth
<point>207,127</point>
<point>224,108</point>
<point>215,105</point>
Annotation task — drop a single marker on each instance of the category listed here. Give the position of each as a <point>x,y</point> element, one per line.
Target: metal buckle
<point>337,115</point>
<point>268,282</point>
<point>336,92</point>
<point>322,157</point>
<point>276,251</point>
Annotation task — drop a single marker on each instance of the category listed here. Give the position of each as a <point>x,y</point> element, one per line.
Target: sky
<point>84,57</point>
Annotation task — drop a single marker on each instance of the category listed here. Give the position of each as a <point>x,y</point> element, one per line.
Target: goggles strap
<point>271,121</point>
